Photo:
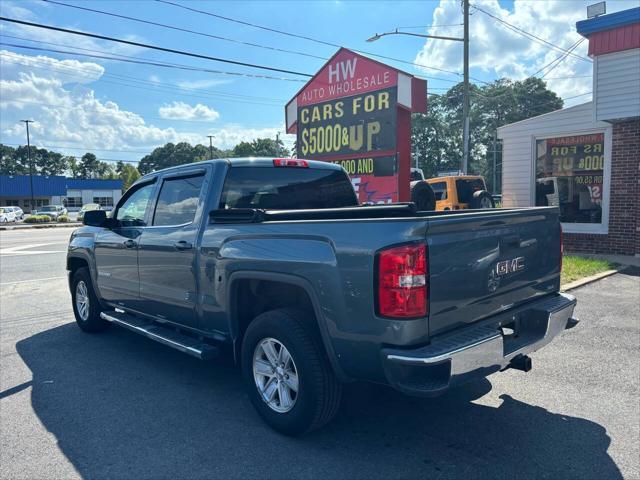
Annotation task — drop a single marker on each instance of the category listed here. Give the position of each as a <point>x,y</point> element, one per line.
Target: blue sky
<point>119,110</point>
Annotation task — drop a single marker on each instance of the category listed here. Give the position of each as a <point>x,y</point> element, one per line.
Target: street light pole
<point>466,103</point>
<point>211,137</point>
<point>27,122</point>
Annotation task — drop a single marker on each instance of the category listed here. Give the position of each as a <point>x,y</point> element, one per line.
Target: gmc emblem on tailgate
<point>510,266</point>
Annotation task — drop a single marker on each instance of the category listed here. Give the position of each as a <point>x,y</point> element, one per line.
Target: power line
<point>207,91</point>
<point>154,47</point>
<point>138,83</point>
<point>311,39</point>
<point>186,30</point>
<point>528,34</point>
<point>560,59</point>
<point>127,59</point>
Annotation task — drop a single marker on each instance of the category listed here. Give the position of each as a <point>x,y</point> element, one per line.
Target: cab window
<point>132,212</point>
<point>178,201</point>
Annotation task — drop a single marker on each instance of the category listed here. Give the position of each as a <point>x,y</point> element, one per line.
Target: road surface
<point>116,405</point>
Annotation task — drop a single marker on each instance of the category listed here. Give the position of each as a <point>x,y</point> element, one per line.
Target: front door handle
<point>130,244</point>
<point>182,245</point>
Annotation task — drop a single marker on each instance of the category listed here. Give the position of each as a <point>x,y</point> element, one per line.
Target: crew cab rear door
<point>167,248</point>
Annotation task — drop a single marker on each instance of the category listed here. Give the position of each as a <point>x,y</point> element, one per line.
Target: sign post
<point>357,112</point>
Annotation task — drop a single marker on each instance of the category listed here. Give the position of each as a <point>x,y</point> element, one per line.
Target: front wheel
<point>86,307</point>
<point>287,373</point>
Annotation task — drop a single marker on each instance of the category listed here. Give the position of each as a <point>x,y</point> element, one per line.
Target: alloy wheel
<point>275,375</point>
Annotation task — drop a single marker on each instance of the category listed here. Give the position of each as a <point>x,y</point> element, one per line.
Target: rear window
<point>286,188</point>
<point>467,187</point>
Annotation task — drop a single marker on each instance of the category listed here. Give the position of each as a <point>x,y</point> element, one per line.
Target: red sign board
<point>345,75</point>
<point>357,112</point>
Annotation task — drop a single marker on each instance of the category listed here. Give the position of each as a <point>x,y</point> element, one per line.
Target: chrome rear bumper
<point>479,349</point>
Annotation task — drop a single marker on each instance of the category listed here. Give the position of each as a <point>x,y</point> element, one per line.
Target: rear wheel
<point>86,307</point>
<point>482,199</point>
<point>287,373</point>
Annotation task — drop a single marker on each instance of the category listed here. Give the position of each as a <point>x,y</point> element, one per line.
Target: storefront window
<point>104,201</point>
<point>73,202</point>
<point>569,173</point>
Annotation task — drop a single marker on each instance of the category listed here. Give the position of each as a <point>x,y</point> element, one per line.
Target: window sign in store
<point>569,173</point>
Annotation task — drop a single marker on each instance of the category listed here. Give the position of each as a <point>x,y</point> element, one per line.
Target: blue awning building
<point>15,190</point>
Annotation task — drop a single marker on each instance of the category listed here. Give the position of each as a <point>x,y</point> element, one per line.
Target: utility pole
<point>466,103</point>
<point>211,137</point>
<point>494,165</point>
<point>33,203</point>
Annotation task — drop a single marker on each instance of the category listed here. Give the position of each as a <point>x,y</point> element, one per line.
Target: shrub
<point>64,218</point>
<point>37,219</point>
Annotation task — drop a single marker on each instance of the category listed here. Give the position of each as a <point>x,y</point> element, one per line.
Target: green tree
<point>127,173</point>
<point>437,135</point>
<point>261,147</point>
<point>175,154</point>
<point>15,161</point>
<point>73,167</point>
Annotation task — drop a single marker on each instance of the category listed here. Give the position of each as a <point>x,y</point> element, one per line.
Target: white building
<point>585,159</point>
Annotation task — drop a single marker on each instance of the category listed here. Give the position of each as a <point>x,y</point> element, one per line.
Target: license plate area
<point>523,329</point>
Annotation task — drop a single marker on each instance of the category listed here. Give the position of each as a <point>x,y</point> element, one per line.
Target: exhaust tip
<point>572,322</point>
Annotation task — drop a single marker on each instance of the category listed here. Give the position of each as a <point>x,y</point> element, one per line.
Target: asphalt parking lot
<point>119,406</point>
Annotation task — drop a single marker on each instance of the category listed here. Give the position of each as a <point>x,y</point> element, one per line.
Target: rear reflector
<point>402,282</point>
<point>290,162</point>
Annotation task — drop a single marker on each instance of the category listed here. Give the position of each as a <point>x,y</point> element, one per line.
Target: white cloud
<point>184,111</point>
<point>501,52</point>
<point>15,65</point>
<point>69,114</point>
<point>73,116</point>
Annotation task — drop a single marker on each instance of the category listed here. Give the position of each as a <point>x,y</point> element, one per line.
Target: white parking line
<point>34,280</point>
<point>24,249</point>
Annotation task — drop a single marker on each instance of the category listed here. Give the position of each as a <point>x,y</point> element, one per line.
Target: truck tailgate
<point>484,262</point>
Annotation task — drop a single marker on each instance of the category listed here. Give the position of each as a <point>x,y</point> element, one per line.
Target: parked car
<point>86,208</point>
<point>53,211</point>
<point>274,261</point>
<point>17,211</point>
<point>7,215</point>
<point>461,192</point>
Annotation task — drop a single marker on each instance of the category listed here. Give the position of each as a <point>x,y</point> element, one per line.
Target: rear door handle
<point>182,245</point>
<point>130,244</point>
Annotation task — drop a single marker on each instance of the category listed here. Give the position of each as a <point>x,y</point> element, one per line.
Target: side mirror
<point>94,218</point>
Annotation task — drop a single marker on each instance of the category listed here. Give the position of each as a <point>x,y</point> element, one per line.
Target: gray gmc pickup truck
<point>274,262</point>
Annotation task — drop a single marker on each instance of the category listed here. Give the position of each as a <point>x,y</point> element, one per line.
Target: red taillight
<point>402,282</point>
<point>290,162</point>
<point>561,248</point>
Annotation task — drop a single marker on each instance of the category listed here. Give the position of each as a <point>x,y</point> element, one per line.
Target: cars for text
<point>273,261</point>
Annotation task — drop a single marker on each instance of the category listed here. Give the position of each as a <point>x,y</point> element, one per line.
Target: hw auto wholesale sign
<point>357,112</point>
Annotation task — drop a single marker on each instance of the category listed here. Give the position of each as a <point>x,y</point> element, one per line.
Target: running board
<point>166,336</point>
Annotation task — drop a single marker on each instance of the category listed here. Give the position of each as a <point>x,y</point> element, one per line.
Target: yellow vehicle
<point>460,192</point>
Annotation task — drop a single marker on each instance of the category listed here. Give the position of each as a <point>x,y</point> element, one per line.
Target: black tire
<point>482,199</point>
<point>90,321</point>
<point>318,396</point>
<point>422,195</point>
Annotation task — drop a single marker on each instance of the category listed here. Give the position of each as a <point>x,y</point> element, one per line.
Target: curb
<point>45,225</point>
<point>593,278</point>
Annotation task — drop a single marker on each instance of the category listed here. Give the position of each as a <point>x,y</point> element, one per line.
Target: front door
<point>167,250</point>
<point>116,249</point>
